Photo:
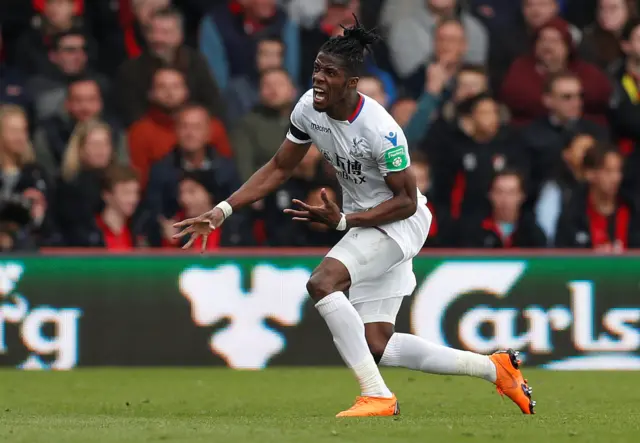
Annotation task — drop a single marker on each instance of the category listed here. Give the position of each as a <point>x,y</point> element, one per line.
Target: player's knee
<point>319,286</point>
<point>377,347</point>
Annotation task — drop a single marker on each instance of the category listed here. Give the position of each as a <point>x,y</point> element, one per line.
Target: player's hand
<point>200,226</point>
<point>328,214</point>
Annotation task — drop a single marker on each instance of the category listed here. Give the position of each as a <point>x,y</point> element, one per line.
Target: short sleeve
<point>391,151</point>
<point>297,132</point>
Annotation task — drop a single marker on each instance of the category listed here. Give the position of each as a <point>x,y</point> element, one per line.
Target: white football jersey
<point>363,150</point>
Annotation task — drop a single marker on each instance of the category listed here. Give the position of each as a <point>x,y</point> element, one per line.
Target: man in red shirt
<point>154,136</point>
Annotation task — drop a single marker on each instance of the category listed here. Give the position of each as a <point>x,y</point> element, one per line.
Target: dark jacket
<point>544,141</point>
<point>580,226</point>
<point>162,190</point>
<point>76,204</point>
<point>486,234</point>
<point>13,88</point>
<point>625,124</point>
<point>526,102</point>
<point>135,77</point>
<point>469,167</point>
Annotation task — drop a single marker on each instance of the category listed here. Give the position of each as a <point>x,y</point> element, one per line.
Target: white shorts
<point>379,311</point>
<point>376,265</point>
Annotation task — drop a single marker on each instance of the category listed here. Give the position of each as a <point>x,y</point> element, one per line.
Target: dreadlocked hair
<point>352,46</point>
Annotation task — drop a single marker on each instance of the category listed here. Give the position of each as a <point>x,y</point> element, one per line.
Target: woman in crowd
<point>23,188</point>
<point>87,157</point>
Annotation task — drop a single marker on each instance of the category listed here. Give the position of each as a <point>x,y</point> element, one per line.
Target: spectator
<point>116,228</point>
<point>438,79</point>
<point>625,106</point>
<point>259,135</point>
<point>79,190</point>
<point>69,59</point>
<point>483,148</point>
<point>229,36</point>
<point>567,180</point>
<point>408,59</point>
<point>194,198</point>
<point>601,218</point>
<point>601,41</point>
<point>33,48</point>
<point>83,102</point>
<point>192,152</point>
<point>445,132</point>
<point>23,185</point>
<point>513,39</point>
<point>508,226</point>
<point>154,135</point>
<point>165,40</point>
<point>372,87</point>
<point>12,84</point>
<point>403,110</point>
<point>580,12</point>
<point>450,46</point>
<point>545,138</point>
<point>553,52</point>
<point>243,93</point>
<point>279,228</point>
<point>439,223</point>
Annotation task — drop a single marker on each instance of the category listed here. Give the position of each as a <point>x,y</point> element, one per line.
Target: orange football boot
<point>372,407</point>
<point>509,380</point>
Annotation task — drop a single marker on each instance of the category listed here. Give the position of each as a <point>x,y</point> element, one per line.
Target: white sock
<point>348,334</point>
<point>412,352</point>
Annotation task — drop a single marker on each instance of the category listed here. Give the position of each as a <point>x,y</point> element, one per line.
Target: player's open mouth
<point>319,96</point>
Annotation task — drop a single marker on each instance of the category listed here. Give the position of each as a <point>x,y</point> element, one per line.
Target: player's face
<point>330,82</point>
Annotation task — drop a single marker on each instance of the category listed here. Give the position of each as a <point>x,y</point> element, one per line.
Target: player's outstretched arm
<point>269,178</point>
<point>263,182</point>
<point>403,204</point>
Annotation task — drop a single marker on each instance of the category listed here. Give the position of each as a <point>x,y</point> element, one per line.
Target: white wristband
<point>226,209</point>
<point>342,224</point>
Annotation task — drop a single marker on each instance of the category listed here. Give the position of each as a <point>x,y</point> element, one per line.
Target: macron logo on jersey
<point>393,138</point>
<point>319,128</point>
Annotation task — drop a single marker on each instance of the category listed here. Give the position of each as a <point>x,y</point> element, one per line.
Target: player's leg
<point>413,352</point>
<point>391,348</point>
<point>326,287</point>
<point>354,258</point>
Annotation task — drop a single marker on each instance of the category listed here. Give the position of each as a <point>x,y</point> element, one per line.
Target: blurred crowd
<point>120,117</point>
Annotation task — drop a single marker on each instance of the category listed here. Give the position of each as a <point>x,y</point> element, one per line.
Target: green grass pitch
<point>299,405</point>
